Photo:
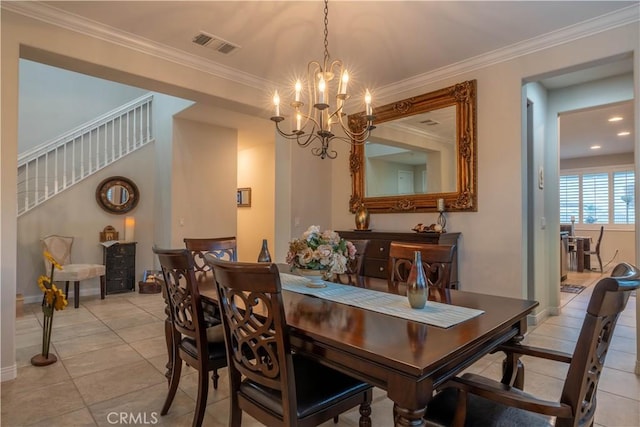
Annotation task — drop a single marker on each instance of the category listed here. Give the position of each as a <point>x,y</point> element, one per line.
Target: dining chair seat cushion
<point>481,412</point>
<point>217,350</point>
<point>78,272</point>
<point>318,387</point>
<point>215,333</point>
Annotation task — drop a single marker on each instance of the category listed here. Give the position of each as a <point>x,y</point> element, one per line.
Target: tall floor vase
<point>45,358</point>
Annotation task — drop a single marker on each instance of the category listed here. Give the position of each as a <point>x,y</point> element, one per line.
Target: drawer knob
<point>381,268</point>
<point>381,249</point>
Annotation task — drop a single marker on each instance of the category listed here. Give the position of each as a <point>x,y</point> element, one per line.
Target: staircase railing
<point>54,166</point>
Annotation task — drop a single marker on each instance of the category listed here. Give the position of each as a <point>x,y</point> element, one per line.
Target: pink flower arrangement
<point>318,250</point>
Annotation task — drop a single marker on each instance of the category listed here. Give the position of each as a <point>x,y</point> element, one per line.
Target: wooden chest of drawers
<point>120,264</point>
<point>377,255</point>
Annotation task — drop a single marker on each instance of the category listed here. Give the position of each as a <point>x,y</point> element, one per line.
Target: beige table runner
<point>433,313</point>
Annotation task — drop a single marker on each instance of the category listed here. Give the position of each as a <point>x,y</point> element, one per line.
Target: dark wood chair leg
<point>215,377</point>
<point>76,294</point>
<point>103,287</point>
<point>201,402</point>
<point>66,289</point>
<point>176,371</point>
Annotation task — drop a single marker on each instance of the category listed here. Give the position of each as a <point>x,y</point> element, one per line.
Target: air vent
<point>429,122</point>
<point>213,42</point>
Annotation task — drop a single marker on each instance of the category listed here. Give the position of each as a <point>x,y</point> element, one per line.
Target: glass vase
<point>264,255</point>
<point>417,283</point>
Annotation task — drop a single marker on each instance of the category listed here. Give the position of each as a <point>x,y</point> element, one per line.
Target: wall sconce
<point>442,221</point>
<point>129,228</point>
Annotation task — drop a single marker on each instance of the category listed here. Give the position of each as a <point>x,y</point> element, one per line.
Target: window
<point>598,196</point>
<point>623,197</point>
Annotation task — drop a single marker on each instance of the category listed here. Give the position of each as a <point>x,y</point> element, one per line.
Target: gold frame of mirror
<point>102,195</point>
<point>465,198</point>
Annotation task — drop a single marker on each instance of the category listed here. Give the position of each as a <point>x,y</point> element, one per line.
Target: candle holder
<point>442,221</point>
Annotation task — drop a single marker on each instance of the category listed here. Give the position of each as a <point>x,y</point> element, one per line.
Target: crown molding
<point>50,15</point>
<point>53,16</point>
<point>587,28</point>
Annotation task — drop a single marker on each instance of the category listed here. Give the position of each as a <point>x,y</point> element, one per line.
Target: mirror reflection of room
<point>413,155</point>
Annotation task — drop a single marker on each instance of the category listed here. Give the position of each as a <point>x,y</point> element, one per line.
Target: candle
<point>573,218</point>
<point>129,226</point>
<point>321,88</point>
<point>440,205</point>
<point>298,121</point>
<point>298,90</point>
<point>345,81</point>
<point>276,102</point>
<point>367,101</point>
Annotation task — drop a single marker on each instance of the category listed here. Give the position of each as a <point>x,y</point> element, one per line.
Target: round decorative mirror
<point>117,195</point>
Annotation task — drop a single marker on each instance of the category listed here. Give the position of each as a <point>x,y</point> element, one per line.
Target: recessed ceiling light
<point>595,147</point>
<point>615,119</point>
<point>624,133</point>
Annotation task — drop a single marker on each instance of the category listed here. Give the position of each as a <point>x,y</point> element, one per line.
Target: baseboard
<point>9,373</point>
<point>536,319</point>
<point>86,291</point>
<point>637,367</point>
<point>554,311</point>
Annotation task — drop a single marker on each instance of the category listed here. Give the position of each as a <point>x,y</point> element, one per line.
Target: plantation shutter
<point>595,198</point>
<point>623,197</point>
<point>569,198</point>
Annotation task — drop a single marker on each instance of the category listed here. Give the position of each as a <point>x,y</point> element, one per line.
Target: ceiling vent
<point>429,122</point>
<point>213,42</point>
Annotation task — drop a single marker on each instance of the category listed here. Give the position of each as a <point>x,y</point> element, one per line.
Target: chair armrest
<point>544,353</point>
<point>506,395</point>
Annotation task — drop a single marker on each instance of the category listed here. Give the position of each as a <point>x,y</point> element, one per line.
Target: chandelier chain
<point>326,32</point>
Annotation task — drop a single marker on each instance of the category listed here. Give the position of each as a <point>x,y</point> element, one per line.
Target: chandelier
<point>315,122</point>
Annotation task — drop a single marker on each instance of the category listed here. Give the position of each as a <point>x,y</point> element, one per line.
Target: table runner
<point>433,313</point>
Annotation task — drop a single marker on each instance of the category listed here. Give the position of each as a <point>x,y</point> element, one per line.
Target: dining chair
<point>355,267</point>
<point>220,247</point>
<point>436,259</point>
<point>60,248</point>
<point>267,380</point>
<point>190,341</point>
<point>596,252</point>
<point>473,400</point>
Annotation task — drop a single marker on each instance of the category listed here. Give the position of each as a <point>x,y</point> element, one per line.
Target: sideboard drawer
<point>376,267</point>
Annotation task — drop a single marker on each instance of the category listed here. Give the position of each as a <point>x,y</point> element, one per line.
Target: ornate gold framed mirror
<point>423,149</point>
<point>117,195</point>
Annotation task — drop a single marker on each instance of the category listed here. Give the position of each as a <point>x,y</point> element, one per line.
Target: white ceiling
<point>384,44</point>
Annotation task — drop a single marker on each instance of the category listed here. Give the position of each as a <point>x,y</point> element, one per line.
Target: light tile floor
<point>112,359</point>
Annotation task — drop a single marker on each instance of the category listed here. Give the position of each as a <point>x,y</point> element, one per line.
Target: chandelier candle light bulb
<point>325,96</point>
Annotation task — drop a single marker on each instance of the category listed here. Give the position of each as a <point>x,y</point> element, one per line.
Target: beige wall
<point>75,212</point>
<point>203,187</point>
<point>309,190</point>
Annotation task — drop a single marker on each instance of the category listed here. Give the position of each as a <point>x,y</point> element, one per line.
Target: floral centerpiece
<point>325,251</point>
<point>53,299</point>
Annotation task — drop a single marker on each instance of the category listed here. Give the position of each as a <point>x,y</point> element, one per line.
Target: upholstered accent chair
<point>473,400</point>
<point>267,380</point>
<point>190,340</point>
<point>60,248</point>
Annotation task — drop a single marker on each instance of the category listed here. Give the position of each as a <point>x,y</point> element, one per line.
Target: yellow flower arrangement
<point>53,299</point>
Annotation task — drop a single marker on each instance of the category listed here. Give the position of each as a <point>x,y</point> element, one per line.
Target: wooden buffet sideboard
<point>376,257</point>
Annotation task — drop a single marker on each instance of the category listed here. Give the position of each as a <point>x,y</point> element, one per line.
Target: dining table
<point>408,359</point>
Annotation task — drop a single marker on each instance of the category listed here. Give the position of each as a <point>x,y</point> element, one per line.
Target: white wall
<point>54,101</point>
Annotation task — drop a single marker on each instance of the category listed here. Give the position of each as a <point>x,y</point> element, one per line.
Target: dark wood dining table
<point>408,359</point>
